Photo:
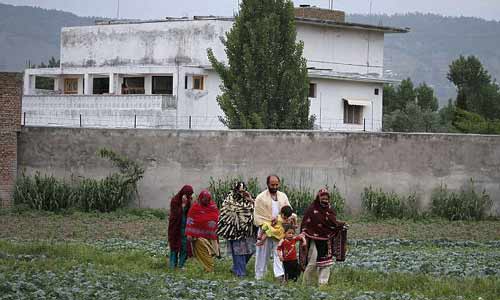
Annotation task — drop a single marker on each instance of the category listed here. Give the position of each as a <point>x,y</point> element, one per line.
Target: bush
<point>220,188</point>
<point>467,204</point>
<point>42,192</point>
<point>104,195</point>
<point>384,205</point>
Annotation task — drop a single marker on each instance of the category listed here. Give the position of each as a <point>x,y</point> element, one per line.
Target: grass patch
<point>84,271</point>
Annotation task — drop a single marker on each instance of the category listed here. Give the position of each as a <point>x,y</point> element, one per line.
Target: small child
<point>287,252</point>
<point>275,229</point>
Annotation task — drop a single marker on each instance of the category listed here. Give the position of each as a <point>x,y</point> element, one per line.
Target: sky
<point>157,9</point>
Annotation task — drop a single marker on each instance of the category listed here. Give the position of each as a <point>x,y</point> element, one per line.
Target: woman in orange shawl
<point>201,230</point>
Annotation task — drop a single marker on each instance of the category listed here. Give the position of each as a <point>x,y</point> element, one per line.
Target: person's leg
<point>173,259</point>
<point>277,263</point>
<point>183,254</point>
<point>202,253</point>
<point>261,257</point>
<point>323,275</point>
<point>293,270</point>
<point>311,268</point>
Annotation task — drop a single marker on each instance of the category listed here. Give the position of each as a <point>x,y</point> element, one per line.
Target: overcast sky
<point>154,9</point>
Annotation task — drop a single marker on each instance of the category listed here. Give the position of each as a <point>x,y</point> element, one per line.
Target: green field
<point>122,256</point>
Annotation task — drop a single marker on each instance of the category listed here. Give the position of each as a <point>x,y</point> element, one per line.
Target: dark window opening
<point>101,86</point>
<point>133,85</point>
<point>44,83</point>
<point>352,113</point>
<point>163,85</point>
<point>186,82</point>
<point>312,90</point>
<point>377,91</point>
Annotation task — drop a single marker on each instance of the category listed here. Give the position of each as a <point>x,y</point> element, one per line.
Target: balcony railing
<point>99,102</point>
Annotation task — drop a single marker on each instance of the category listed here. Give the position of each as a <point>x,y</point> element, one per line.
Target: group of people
<point>265,227</point>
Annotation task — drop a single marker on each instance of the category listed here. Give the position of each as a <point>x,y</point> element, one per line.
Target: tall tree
<point>265,82</point>
<point>425,97</point>
<point>475,91</point>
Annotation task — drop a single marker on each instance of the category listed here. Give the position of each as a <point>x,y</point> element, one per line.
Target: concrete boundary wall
<point>400,162</point>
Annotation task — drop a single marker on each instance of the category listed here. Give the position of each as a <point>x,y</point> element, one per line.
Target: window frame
<point>353,114</point>
<point>201,78</point>
<point>314,88</point>
<point>170,77</point>
<point>70,82</point>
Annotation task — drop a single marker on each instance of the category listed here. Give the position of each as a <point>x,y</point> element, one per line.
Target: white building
<point>156,74</point>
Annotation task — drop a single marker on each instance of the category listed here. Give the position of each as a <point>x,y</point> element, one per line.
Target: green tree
<point>476,92</point>
<point>389,99</point>
<point>412,119</point>
<point>426,98</point>
<point>265,82</point>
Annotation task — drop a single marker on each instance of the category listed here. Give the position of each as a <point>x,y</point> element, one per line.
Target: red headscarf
<point>175,218</point>
<point>202,219</point>
<point>320,221</point>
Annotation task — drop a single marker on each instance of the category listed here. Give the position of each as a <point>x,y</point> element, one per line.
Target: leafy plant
<point>467,204</point>
<point>43,192</point>
<point>389,205</point>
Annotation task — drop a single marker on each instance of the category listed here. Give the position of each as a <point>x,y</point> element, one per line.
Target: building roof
<point>330,74</point>
<point>300,20</point>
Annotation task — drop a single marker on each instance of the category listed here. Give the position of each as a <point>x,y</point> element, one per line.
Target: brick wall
<point>319,13</point>
<point>10,125</point>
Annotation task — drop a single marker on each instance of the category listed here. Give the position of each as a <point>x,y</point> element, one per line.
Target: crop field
<point>122,256</point>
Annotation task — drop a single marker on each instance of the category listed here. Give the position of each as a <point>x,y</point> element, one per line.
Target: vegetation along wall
<point>402,163</point>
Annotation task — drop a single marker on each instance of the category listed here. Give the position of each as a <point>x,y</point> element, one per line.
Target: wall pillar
<point>11,88</point>
<point>112,78</point>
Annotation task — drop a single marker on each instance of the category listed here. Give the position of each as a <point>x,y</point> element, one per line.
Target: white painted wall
<point>159,43</point>
<point>342,50</point>
<point>328,106</point>
<point>186,43</point>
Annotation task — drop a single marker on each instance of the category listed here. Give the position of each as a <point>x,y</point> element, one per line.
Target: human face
<point>289,234</point>
<point>204,201</point>
<point>273,185</point>
<point>324,200</point>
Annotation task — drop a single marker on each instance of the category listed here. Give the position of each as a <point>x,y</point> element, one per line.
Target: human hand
<point>274,221</point>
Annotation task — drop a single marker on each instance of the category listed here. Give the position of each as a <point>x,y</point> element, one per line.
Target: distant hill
<point>31,33</point>
<point>424,54</point>
<point>433,43</point>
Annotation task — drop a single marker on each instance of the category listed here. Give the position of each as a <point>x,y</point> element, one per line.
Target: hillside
<point>30,33</point>
<point>424,54</point>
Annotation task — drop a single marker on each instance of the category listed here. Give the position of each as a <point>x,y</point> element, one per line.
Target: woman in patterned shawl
<point>236,226</point>
<point>201,230</point>
<point>326,239</point>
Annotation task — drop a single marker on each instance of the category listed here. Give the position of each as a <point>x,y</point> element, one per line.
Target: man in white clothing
<point>268,205</point>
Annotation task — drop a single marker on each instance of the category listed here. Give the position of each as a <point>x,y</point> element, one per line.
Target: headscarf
<point>175,218</point>
<point>202,219</point>
<point>236,217</point>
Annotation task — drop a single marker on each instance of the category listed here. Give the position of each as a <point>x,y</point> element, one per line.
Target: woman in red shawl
<point>326,239</point>
<point>179,207</point>
<point>201,229</point>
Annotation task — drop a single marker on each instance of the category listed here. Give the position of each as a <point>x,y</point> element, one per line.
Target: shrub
<point>43,192</point>
<point>467,204</point>
<point>104,195</point>
<point>384,205</point>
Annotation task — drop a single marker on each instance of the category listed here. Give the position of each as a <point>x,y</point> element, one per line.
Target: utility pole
<point>118,10</point>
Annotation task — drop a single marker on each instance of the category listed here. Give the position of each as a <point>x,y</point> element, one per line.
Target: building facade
<point>156,74</point>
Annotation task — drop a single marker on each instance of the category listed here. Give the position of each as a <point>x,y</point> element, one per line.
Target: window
<point>133,85</point>
<point>198,83</point>
<point>70,86</point>
<point>101,86</point>
<point>312,90</point>
<point>377,91</point>
<point>163,85</point>
<point>186,82</point>
<point>44,83</point>
<point>352,113</point>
